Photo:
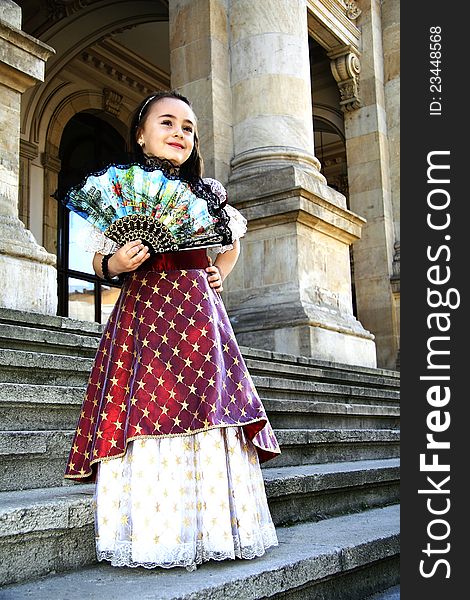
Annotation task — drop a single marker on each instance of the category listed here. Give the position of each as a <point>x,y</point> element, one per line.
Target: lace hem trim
<point>184,555</point>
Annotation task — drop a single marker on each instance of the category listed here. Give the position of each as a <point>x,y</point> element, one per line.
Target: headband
<point>144,105</point>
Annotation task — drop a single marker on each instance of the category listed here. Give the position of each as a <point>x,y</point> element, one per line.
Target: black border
<point>422,133</point>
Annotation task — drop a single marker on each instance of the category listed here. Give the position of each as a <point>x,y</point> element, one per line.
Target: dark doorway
<point>88,144</point>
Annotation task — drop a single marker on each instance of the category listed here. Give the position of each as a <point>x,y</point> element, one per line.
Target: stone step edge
<point>29,360</point>
<point>345,543</point>
<point>24,443</point>
<point>9,316</point>
<point>50,338</point>
<point>66,324</point>
<point>37,394</point>
<point>42,509</point>
<point>257,368</point>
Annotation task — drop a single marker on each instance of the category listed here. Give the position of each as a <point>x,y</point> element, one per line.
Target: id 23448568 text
<point>435,79</point>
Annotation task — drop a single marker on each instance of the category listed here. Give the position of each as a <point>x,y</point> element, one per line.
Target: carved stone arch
<point>331,115</point>
<point>79,29</point>
<point>334,163</point>
<point>332,26</point>
<point>80,100</point>
<point>51,130</point>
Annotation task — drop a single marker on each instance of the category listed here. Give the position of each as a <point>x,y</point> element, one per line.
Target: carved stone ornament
<point>351,9</point>
<point>346,69</point>
<point>59,9</point>
<point>396,261</point>
<point>112,102</point>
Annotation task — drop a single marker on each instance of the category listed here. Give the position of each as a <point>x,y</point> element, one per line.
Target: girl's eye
<point>167,122</point>
<point>188,128</point>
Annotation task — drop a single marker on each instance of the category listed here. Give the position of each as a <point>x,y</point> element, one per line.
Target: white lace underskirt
<point>182,501</point>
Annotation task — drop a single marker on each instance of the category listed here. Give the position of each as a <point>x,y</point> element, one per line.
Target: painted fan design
<point>129,202</point>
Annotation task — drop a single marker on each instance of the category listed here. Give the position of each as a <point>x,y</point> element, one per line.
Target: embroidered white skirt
<point>180,501</point>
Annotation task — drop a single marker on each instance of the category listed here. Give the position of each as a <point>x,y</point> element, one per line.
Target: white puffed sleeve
<point>237,222</point>
<point>91,239</point>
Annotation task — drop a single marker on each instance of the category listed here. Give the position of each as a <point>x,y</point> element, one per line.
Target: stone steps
<point>41,407</point>
<point>332,491</point>
<point>300,414</point>
<point>34,459</point>
<point>24,366</point>
<point>304,389</point>
<point>311,446</point>
<point>56,407</point>
<point>61,335</point>
<point>20,366</point>
<point>36,339</point>
<point>39,522</point>
<point>347,557</point>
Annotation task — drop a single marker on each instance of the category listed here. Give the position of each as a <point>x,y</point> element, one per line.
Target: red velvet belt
<point>174,261</point>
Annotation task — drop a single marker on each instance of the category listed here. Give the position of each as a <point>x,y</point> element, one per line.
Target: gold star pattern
<point>168,364</point>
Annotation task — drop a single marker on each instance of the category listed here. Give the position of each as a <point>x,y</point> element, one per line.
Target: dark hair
<point>193,167</point>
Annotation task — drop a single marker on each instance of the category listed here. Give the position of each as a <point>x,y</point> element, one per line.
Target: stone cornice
<point>121,64</point>
<point>22,58</point>
<point>330,25</point>
<point>28,150</point>
<point>51,162</point>
<point>291,195</point>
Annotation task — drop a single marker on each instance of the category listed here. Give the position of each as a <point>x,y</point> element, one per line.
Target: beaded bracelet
<point>105,269</point>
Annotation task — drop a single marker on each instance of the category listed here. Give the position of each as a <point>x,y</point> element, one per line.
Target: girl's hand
<point>128,258</point>
<point>215,276</point>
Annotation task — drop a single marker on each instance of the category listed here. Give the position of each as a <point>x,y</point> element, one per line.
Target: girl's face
<point>168,131</point>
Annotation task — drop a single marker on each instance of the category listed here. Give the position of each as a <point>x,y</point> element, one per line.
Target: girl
<point>172,429</point>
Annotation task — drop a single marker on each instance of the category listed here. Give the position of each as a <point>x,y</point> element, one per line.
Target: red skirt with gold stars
<point>168,365</point>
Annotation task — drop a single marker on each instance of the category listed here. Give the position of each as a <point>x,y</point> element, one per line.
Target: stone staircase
<point>333,492</point>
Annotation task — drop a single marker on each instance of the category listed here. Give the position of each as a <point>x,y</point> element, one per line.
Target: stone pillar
<point>367,148</point>
<point>27,272</point>
<point>245,66</point>
<point>272,109</point>
<point>391,44</point>
<point>291,291</point>
<point>200,69</point>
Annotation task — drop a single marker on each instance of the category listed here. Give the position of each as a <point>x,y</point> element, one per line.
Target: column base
<point>344,342</point>
<point>260,160</point>
<point>291,290</point>
<point>27,271</point>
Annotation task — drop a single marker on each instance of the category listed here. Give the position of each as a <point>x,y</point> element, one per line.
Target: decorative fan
<point>129,202</point>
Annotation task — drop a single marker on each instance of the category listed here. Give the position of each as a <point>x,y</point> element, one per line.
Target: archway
<point>88,143</point>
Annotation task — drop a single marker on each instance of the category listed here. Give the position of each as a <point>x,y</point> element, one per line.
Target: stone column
<point>368,156</point>
<point>272,109</point>
<point>27,272</point>
<point>291,291</point>
<point>245,66</point>
<point>200,69</point>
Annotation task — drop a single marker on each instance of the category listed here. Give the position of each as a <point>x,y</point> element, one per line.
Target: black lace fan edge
<point>199,187</point>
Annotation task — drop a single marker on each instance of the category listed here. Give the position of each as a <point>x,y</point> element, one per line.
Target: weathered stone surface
<point>43,340</point>
<point>51,529</point>
<point>373,176</point>
<point>18,366</point>
<point>308,554</point>
<point>10,13</point>
<point>34,459</point>
<point>22,260</point>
